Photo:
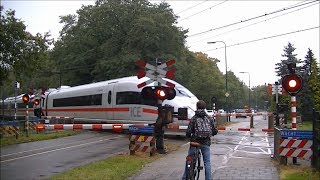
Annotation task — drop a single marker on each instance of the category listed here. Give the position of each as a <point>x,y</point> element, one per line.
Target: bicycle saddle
<point>195,144</point>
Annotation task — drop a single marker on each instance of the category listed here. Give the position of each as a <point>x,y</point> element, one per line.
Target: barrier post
<point>251,121</point>
<point>132,144</point>
<point>27,120</point>
<point>281,159</point>
<point>270,122</point>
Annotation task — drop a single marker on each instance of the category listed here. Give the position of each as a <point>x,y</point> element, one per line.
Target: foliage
<point>103,41</point>
<point>309,97</point>
<point>21,52</point>
<point>281,68</point>
<point>306,95</point>
<point>314,83</point>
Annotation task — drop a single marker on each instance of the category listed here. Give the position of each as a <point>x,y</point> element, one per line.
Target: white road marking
<point>45,152</point>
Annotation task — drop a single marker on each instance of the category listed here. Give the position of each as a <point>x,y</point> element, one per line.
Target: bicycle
<point>194,163</point>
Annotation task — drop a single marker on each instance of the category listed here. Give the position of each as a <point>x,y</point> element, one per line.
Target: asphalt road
<point>39,160</point>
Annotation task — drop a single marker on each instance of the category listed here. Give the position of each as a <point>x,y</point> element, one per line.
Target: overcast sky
<point>255,32</point>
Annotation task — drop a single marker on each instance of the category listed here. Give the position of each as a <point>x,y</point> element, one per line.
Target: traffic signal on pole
<point>292,83</point>
<point>36,102</point>
<point>158,92</point>
<point>25,98</point>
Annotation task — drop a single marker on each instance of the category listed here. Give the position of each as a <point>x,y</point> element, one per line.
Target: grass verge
<point>118,167</point>
<point>4,141</point>
<point>294,172</point>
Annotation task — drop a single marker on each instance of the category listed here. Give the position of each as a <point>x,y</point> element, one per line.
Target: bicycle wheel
<point>199,167</point>
<point>190,175</point>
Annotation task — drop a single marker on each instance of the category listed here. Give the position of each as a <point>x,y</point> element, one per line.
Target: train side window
<point>132,97</point>
<point>109,97</point>
<point>90,100</point>
<point>128,97</point>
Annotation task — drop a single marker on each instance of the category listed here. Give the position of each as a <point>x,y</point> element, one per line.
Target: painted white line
<point>269,150</point>
<point>45,152</point>
<point>47,147</point>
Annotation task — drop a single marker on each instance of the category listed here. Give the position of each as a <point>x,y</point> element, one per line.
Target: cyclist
<point>205,143</point>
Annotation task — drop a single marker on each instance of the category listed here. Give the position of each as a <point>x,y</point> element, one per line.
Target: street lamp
<point>225,58</point>
<point>249,87</point>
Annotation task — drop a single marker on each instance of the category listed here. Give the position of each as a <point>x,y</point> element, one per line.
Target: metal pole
<point>225,58</point>
<point>27,120</point>
<point>294,119</point>
<point>249,93</point>
<point>15,101</point>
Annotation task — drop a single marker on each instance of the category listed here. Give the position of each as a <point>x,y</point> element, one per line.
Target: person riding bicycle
<point>205,141</point>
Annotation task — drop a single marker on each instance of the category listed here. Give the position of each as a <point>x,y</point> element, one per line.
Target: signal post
<point>159,93</point>
<point>292,83</point>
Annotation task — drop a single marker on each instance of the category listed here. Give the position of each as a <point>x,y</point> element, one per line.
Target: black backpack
<point>202,128</point>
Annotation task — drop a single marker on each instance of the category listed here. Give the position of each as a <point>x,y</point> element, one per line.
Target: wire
<point>253,24</point>
<point>242,21</point>
<point>192,7</point>
<point>246,42</point>
<point>204,10</point>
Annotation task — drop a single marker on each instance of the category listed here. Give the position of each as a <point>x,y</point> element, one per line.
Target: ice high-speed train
<point>112,101</point>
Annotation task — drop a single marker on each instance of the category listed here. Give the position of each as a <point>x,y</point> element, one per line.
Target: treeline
<point>103,41</point>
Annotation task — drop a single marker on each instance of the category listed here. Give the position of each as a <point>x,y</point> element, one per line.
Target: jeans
<point>205,150</point>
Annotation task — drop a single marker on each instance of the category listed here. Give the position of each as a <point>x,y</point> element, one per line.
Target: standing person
<point>201,135</point>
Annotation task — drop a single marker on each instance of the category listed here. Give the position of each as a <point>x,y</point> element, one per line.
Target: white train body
<point>112,101</point>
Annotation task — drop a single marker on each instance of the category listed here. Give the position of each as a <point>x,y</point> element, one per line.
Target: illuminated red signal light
<point>36,102</point>
<point>158,92</point>
<point>292,83</point>
<point>161,94</point>
<point>25,98</point>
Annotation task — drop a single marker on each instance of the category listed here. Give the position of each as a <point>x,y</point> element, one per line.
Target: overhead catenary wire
<point>236,29</point>
<point>260,39</point>
<point>256,17</point>
<point>192,7</point>
<point>204,10</point>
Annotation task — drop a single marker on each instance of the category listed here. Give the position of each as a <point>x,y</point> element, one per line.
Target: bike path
<point>235,164</point>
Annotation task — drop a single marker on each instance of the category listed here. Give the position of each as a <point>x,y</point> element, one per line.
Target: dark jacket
<point>200,113</point>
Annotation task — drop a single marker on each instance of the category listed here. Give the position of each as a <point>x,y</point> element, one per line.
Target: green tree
<point>103,41</point>
<point>281,68</point>
<point>306,96</point>
<point>21,52</point>
<point>314,83</point>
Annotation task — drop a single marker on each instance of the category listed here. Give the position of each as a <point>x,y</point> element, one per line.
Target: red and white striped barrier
<point>56,117</point>
<point>296,143</point>
<point>220,128</point>
<point>145,144</point>
<point>115,127</point>
<point>48,118</point>
<point>120,127</point>
<point>241,114</point>
<point>298,153</point>
<point>9,130</point>
<point>296,148</point>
